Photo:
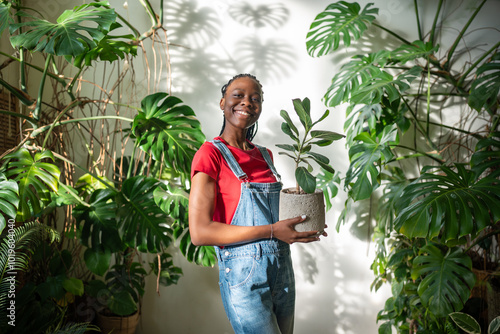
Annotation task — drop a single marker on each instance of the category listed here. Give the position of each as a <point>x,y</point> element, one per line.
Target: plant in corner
<point>422,126</point>
<point>305,197</point>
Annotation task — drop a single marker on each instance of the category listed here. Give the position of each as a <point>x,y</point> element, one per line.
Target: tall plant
<point>436,182</point>
<point>127,194</point>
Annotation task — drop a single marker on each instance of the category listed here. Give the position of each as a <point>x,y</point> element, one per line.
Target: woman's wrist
<point>271,231</point>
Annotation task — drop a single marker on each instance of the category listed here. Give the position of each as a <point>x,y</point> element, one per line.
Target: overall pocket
<point>239,270</point>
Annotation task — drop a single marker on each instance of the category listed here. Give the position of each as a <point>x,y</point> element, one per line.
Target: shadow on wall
<point>204,56</point>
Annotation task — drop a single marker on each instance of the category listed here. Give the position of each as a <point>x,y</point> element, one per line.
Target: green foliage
<point>448,279</point>
<point>9,199</point>
<point>64,38</point>
<point>35,179</point>
<point>300,151</point>
<point>433,184</point>
<point>471,326</point>
<point>164,128</point>
<point>485,89</point>
<point>340,19</point>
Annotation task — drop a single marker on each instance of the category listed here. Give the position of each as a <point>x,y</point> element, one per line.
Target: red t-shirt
<point>209,160</point>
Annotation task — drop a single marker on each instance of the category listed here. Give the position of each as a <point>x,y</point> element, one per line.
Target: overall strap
<point>231,161</point>
<point>269,161</point>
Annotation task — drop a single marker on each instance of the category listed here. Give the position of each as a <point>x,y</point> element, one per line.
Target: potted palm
<point>305,198</point>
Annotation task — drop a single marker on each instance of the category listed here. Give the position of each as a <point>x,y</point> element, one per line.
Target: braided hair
<point>251,131</point>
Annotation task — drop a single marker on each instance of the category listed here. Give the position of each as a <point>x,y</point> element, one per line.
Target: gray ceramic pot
<point>312,205</point>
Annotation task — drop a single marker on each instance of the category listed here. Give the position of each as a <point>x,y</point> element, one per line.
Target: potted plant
<point>427,169</point>
<point>305,198</point>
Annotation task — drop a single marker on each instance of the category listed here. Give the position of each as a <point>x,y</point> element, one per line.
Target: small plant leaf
<point>485,89</point>
<point>306,181</point>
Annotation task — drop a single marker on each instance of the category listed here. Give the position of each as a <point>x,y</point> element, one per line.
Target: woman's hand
<point>285,231</point>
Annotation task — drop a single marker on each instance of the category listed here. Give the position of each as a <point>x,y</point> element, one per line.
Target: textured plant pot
<point>312,205</point>
<point>118,325</point>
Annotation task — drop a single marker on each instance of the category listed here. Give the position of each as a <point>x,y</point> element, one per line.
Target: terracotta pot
<point>118,325</point>
<point>312,205</point>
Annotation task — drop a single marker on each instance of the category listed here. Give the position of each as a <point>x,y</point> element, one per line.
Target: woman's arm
<point>205,231</point>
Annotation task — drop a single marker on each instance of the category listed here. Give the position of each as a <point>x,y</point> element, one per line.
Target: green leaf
<point>417,49</point>
<point>97,221</point>
<point>73,285</point>
<point>142,223</point>
<point>66,37</point>
<point>363,176</point>
<point>169,274</point>
<point>9,199</point>
<point>97,259</point>
<point>339,20</point>
<point>306,181</point>
<point>121,303</point>
<point>382,83</point>
<point>449,204</point>
<point>447,279</point>
<point>327,137</point>
<point>466,322</point>
<point>327,182</point>
<point>5,18</point>
<point>109,48</point>
<point>168,131</point>
<point>290,125</point>
<point>36,179</point>
<point>302,109</point>
<point>494,327</point>
<point>351,75</point>
<point>485,88</point>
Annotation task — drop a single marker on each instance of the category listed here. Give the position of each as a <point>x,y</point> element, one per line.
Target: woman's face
<point>242,103</point>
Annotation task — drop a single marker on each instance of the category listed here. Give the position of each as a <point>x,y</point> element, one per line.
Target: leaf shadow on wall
<point>201,58</point>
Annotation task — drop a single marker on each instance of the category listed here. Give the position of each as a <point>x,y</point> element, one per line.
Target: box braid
<point>252,131</point>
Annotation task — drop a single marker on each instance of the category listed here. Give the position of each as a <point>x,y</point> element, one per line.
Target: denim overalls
<point>256,279</point>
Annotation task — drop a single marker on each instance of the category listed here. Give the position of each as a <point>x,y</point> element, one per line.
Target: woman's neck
<point>238,142</point>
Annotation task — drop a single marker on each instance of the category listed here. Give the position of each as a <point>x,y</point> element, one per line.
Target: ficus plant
<point>304,141</point>
<point>429,168</point>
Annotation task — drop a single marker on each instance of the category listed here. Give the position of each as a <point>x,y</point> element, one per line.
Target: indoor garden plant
<point>305,198</point>
<point>423,140</point>
<point>98,209</point>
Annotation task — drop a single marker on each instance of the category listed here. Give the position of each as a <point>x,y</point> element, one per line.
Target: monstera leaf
<point>363,176</point>
<point>66,37</point>
<point>142,223</point>
<point>168,131</point>
<point>9,199</point>
<point>371,90</point>
<point>327,182</point>
<point>351,75</point>
<point>415,50</point>
<point>339,20</point>
<point>451,204</point>
<point>36,179</point>
<point>109,48</point>
<point>447,279</point>
<point>174,201</point>
<point>484,90</point>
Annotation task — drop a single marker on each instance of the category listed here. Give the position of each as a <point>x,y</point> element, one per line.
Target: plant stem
<point>66,109</point>
<point>36,112</point>
<point>461,34</point>
<point>466,73</point>
<point>77,120</point>
<point>433,30</point>
<point>392,33</point>
<point>418,20</point>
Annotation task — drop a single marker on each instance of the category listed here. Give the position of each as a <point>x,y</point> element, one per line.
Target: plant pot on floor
<point>312,205</point>
<point>118,325</point>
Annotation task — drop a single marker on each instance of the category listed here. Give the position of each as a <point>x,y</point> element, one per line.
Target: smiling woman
<point>233,206</point>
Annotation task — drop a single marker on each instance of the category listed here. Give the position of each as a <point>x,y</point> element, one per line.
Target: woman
<point>234,205</point>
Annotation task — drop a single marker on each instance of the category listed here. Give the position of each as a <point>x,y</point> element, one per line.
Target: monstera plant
<point>434,184</point>
<point>119,203</point>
